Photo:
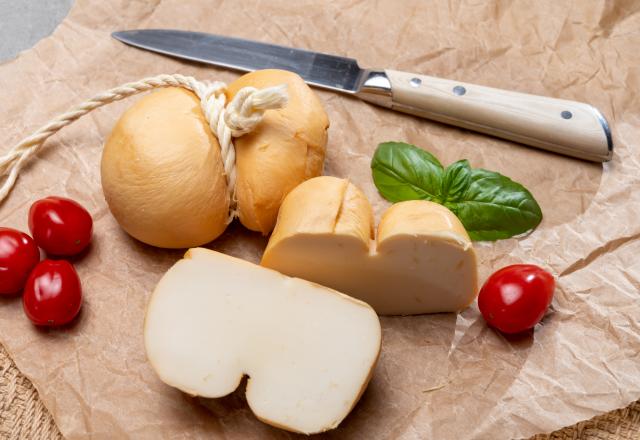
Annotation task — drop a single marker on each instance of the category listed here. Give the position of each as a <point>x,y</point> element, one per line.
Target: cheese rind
<point>309,351</point>
<point>422,261</point>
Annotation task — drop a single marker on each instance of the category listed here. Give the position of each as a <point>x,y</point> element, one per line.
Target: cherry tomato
<point>18,255</point>
<point>52,295</point>
<point>60,226</point>
<point>515,298</point>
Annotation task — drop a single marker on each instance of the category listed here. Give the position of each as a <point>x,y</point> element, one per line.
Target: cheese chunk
<point>422,261</point>
<point>309,351</point>
<point>285,149</point>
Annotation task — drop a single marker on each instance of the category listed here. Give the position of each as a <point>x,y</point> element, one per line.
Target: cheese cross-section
<point>308,351</point>
<point>422,260</point>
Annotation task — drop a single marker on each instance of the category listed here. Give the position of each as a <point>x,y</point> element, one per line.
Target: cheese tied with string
<point>178,168</point>
<point>169,166</point>
<point>284,150</point>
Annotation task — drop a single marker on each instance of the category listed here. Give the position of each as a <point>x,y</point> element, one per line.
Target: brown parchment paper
<point>441,376</point>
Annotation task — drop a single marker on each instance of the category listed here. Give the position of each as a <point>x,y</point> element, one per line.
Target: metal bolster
<point>374,86</point>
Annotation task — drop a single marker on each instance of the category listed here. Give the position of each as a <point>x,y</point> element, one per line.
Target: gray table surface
<point>25,22</point>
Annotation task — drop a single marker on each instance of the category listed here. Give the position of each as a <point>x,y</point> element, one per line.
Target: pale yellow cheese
<point>421,262</point>
<point>309,351</point>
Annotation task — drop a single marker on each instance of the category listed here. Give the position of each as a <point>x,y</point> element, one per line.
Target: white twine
<point>242,115</point>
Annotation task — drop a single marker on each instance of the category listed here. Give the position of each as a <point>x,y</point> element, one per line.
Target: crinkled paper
<point>440,376</point>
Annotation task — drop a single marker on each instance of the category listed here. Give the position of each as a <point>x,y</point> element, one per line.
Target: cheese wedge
<point>421,262</point>
<point>309,351</point>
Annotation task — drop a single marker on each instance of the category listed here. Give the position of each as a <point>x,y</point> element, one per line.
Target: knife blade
<point>562,126</point>
<point>318,69</point>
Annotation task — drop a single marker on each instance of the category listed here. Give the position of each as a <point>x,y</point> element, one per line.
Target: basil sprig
<point>489,205</point>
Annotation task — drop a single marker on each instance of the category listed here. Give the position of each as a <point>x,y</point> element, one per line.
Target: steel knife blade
<point>562,126</point>
<point>318,69</point>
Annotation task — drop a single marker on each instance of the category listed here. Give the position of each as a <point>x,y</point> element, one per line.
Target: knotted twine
<point>242,115</point>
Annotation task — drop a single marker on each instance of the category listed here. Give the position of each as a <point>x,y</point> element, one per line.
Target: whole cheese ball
<point>162,174</point>
<point>284,150</point>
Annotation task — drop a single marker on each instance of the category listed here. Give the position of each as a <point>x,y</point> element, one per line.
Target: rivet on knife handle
<point>562,126</point>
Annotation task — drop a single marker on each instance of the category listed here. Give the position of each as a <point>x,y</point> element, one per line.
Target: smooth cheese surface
<point>421,262</point>
<point>309,351</point>
<point>162,172</point>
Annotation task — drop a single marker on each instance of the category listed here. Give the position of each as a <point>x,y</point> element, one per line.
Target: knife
<point>566,127</point>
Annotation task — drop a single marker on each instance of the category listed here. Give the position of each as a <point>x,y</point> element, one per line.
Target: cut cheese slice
<point>309,351</point>
<point>422,261</point>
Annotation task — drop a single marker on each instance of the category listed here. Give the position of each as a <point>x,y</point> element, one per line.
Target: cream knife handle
<point>565,127</point>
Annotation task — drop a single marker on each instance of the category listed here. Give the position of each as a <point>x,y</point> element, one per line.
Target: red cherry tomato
<point>18,255</point>
<point>60,226</point>
<point>52,295</point>
<point>515,298</point>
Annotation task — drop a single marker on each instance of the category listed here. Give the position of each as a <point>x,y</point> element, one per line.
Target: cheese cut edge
<point>430,224</point>
<point>195,253</point>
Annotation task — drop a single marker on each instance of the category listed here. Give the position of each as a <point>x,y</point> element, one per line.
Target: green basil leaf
<point>455,181</point>
<point>402,171</point>
<point>494,207</point>
<point>489,205</point>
